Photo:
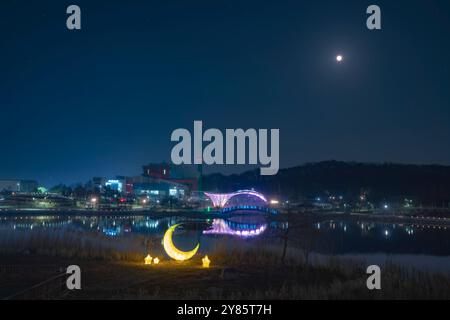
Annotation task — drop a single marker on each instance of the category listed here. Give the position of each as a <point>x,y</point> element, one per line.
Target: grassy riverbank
<point>237,274</point>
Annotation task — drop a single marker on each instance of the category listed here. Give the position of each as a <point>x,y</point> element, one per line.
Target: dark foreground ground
<point>255,275</point>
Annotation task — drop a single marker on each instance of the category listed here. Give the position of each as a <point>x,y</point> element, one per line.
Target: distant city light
<point>114,185</point>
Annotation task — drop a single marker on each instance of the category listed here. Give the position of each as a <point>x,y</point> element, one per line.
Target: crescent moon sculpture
<point>173,251</point>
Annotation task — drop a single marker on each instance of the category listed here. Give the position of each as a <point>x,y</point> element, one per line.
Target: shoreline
<point>196,214</point>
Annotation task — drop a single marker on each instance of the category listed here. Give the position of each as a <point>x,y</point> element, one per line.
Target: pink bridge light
<point>220,199</point>
<point>219,226</point>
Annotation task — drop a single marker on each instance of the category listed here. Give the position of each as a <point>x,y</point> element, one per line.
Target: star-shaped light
<point>206,262</point>
<point>148,259</point>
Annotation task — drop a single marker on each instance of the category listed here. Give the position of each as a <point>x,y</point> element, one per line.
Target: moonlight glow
<point>172,251</point>
<point>339,58</point>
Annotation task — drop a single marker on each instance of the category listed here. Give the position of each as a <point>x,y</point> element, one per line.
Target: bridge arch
<point>220,200</point>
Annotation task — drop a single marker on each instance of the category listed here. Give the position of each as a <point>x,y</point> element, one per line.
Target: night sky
<point>104,100</point>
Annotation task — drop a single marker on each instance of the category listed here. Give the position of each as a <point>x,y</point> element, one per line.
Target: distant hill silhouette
<point>429,184</point>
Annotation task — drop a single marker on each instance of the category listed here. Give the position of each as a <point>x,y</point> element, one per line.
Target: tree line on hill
<point>428,184</point>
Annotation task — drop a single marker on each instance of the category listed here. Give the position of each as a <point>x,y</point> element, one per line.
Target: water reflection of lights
<point>109,226</point>
<point>245,227</point>
<point>220,226</point>
<point>35,224</point>
<point>279,225</point>
<point>152,224</point>
<point>112,232</point>
<point>424,227</point>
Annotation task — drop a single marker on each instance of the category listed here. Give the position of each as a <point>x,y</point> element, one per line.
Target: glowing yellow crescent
<point>172,251</point>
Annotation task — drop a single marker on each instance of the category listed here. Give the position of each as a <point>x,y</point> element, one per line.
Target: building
<point>187,175</point>
<point>158,188</point>
<point>25,186</point>
<point>158,180</point>
<point>121,184</point>
<point>157,170</point>
<point>98,183</point>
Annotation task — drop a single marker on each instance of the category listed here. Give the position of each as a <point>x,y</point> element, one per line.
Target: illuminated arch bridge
<point>240,200</point>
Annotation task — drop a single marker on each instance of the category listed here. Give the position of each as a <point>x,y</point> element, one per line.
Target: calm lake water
<point>419,246</point>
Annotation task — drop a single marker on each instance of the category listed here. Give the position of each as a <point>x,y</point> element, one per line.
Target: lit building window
<point>114,185</point>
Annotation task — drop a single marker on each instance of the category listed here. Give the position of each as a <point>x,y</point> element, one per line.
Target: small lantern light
<point>206,262</point>
<point>148,259</point>
<point>155,261</point>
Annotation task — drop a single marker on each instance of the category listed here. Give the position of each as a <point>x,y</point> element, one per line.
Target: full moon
<point>339,58</point>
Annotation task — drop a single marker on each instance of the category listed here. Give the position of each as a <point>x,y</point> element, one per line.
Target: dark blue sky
<point>104,100</point>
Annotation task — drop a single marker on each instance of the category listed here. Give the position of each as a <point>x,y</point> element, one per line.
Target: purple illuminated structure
<point>219,226</point>
<point>220,200</point>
